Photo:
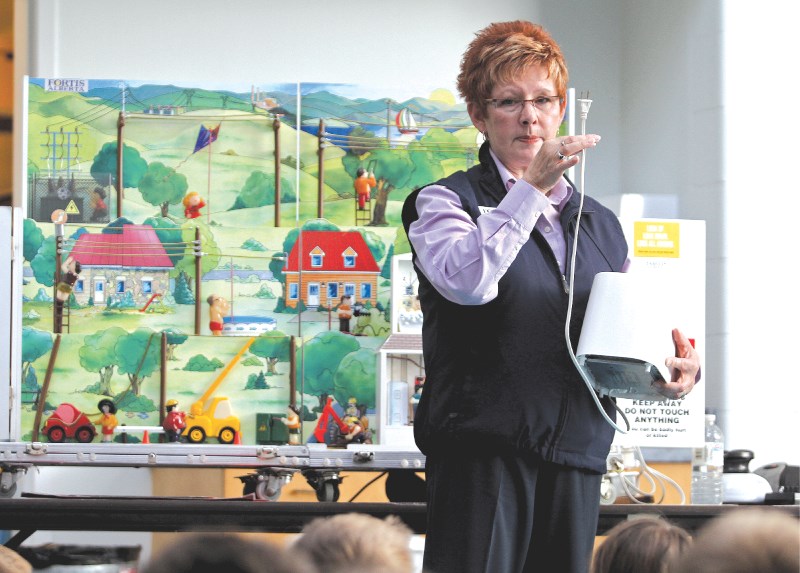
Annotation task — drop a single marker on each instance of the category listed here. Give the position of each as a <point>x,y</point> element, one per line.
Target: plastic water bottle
<point>707,464</point>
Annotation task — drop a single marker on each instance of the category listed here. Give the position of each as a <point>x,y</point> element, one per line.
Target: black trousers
<point>505,514</point>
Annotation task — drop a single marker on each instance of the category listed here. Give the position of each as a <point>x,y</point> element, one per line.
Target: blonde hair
<point>745,540</point>
<point>502,52</point>
<point>189,196</point>
<point>357,542</point>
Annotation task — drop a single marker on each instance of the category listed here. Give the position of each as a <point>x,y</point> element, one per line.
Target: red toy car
<point>69,422</point>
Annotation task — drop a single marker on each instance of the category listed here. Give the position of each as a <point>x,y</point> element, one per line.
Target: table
<point>85,513</point>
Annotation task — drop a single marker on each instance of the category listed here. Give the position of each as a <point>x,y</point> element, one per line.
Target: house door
<point>99,290</point>
<point>313,295</point>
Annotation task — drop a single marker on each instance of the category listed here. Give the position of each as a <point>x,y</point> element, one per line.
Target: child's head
<point>191,198</point>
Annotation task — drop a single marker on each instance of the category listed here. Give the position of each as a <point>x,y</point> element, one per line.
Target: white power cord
<point>585,104</point>
<point>657,480</point>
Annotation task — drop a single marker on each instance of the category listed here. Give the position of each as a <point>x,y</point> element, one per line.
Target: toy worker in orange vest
<point>363,185</point>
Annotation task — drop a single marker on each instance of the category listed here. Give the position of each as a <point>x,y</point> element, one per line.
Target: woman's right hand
<point>555,156</point>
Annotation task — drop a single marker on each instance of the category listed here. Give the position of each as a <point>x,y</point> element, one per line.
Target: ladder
<point>363,216</point>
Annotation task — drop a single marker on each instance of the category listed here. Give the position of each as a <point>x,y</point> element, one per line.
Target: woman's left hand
<point>685,366</point>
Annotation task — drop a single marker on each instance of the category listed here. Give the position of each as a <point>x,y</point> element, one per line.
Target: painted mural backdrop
<point>228,248</point>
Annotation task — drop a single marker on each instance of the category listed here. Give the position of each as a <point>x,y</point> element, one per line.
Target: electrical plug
<point>585,103</point>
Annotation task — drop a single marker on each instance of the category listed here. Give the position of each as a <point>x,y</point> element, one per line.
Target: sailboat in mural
<point>405,121</point>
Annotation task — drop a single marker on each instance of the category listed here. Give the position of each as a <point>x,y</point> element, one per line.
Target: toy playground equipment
<point>213,416</point>
<point>156,297</point>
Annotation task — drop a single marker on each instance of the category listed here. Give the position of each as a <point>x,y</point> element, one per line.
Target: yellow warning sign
<point>72,208</point>
<point>656,239</point>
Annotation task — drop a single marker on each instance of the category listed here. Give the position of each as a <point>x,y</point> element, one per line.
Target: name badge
<point>485,210</point>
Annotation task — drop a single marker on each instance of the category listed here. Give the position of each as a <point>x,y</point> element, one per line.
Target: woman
<point>515,446</point>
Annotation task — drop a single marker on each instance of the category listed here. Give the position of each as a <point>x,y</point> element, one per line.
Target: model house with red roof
<point>325,265</point>
<point>133,261</point>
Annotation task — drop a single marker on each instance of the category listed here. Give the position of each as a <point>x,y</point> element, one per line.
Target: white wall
<point>762,400</point>
<point>667,82</point>
<point>706,109</point>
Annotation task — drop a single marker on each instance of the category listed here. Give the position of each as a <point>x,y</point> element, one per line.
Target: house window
<point>350,290</point>
<point>78,288</point>
<point>120,289</point>
<point>316,260</point>
<point>147,285</point>
<point>293,291</point>
<point>366,291</point>
<point>333,291</point>
<point>349,261</point>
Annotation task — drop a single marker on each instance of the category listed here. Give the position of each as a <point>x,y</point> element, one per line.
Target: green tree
<point>427,164</point>
<point>183,294</point>
<point>211,251</point>
<point>392,170</point>
<point>175,337</point>
<point>43,263</point>
<point>104,165</point>
<point>170,234</point>
<point>361,141</point>
<point>115,227</point>
<point>321,358</point>
<point>137,356</point>
<point>32,238</point>
<point>98,355</point>
<point>199,363</point>
<point>442,145</point>
<point>375,244</point>
<point>259,190</point>
<point>35,344</point>
<point>257,382</point>
<point>355,378</point>
<point>273,347</point>
<point>386,270</point>
<point>163,186</point>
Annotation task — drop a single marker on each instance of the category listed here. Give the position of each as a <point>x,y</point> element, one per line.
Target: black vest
<point>498,375</point>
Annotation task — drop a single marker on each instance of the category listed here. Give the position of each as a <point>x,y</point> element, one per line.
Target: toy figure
<point>352,408</point>
<point>419,385</point>
<point>218,307</point>
<point>107,419</point>
<point>345,313</point>
<point>356,430</point>
<point>99,207</point>
<point>292,422</point>
<point>363,184</point>
<point>192,203</point>
<point>174,421</point>
<point>70,270</point>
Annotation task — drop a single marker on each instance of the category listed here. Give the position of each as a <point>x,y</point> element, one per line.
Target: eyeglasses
<point>545,104</point>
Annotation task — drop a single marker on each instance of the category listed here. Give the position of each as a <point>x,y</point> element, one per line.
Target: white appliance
<point>627,334</point>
